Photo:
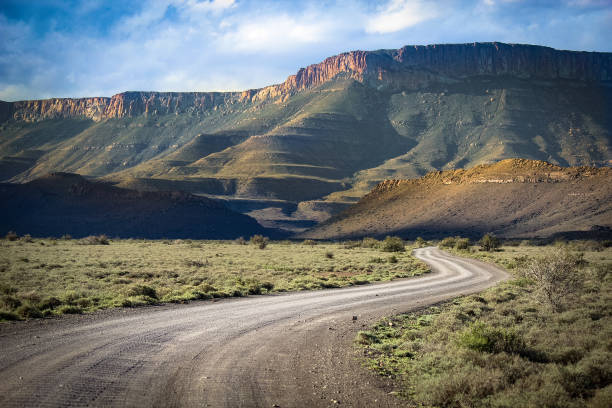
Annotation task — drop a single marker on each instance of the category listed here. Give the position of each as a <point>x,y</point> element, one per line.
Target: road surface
<point>289,350</point>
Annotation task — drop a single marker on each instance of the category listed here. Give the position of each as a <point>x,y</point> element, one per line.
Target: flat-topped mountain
<point>331,132</point>
<point>64,203</point>
<point>511,198</point>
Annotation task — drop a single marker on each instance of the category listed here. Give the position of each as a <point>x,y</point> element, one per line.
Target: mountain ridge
<point>494,58</point>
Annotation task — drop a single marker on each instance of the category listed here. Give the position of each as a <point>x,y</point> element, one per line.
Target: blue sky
<point>69,48</point>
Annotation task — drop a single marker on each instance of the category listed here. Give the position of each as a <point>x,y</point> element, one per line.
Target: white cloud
<point>400,14</point>
<point>274,33</point>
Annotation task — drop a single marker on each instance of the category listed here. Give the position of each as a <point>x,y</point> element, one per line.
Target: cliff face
<point>415,65</point>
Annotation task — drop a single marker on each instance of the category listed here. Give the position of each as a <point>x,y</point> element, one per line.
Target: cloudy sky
<point>71,48</point>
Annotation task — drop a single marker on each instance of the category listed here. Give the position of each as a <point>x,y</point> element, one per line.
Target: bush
<point>369,242</point>
<point>462,244</point>
<point>4,315</point>
<point>28,312</point>
<point>392,259</point>
<point>11,236</point>
<point>329,255</point>
<point>95,240</point>
<point>260,241</point>
<point>489,243</point>
<point>556,276</point>
<point>393,244</point>
<point>69,309</point>
<point>27,238</point>
<point>66,237</point>
<point>240,241</point>
<point>447,242</point>
<point>310,242</point>
<point>142,290</point>
<point>483,338</point>
<point>420,242</point>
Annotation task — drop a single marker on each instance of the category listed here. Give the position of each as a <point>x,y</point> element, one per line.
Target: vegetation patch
<point>509,346</point>
<point>64,276</point>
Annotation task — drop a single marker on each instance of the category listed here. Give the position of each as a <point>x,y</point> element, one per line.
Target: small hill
<point>511,198</point>
<point>64,203</point>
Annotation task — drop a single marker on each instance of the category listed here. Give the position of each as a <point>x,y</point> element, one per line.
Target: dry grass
<point>46,277</point>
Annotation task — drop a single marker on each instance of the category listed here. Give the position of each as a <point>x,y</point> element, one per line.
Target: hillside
<point>511,198</point>
<point>331,132</point>
<point>62,203</point>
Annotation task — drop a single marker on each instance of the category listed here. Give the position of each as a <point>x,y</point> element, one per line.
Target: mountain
<point>323,138</point>
<point>511,198</point>
<point>63,203</point>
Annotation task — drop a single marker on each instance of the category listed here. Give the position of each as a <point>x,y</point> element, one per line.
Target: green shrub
<point>260,241</point>
<point>310,242</point>
<point>392,259</point>
<point>489,242</point>
<point>366,337</point>
<point>393,244</point>
<point>329,255</point>
<point>70,309</point>
<point>142,290</point>
<point>447,242</point>
<point>240,241</point>
<point>483,338</point>
<point>369,242</point>
<point>28,311</point>
<point>9,302</point>
<point>27,238</point>
<point>11,316</point>
<point>50,302</point>
<point>420,242</point>
<point>462,244</point>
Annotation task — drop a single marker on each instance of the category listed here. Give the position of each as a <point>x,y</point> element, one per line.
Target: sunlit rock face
<point>412,66</point>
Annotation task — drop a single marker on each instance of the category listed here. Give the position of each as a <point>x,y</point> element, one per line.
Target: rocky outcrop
<point>415,65</point>
<point>503,172</point>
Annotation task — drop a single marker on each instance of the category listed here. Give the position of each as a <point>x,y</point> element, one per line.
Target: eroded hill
<point>511,198</point>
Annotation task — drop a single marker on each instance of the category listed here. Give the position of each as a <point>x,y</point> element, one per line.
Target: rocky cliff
<point>424,64</point>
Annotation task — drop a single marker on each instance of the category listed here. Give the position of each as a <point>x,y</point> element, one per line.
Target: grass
<point>48,277</point>
<point>504,347</point>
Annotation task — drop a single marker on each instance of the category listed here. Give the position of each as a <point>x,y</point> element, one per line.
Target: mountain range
<point>295,153</point>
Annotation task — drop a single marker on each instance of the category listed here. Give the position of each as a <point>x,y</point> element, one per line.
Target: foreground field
<point>40,277</point>
<point>509,346</point>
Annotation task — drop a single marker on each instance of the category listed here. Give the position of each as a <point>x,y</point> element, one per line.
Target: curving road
<point>289,350</point>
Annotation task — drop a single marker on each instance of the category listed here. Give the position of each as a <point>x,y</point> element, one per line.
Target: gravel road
<point>289,350</point>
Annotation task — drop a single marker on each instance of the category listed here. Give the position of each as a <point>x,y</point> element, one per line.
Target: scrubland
<point>45,277</point>
<point>541,339</point>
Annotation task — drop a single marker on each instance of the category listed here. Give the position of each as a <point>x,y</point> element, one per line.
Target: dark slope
<point>63,203</point>
<point>511,198</point>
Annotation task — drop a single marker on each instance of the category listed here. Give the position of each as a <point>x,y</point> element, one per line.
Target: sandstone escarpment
<point>424,64</point>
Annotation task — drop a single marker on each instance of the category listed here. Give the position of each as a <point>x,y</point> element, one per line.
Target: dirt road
<point>290,350</point>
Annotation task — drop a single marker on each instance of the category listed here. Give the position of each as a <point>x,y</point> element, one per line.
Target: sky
<point>70,48</point>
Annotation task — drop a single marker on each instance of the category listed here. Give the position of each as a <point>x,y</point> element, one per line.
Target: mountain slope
<point>332,131</point>
<point>63,203</point>
<point>512,198</point>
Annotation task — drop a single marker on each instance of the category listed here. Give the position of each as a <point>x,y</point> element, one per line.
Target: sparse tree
<point>556,276</point>
<point>489,242</point>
